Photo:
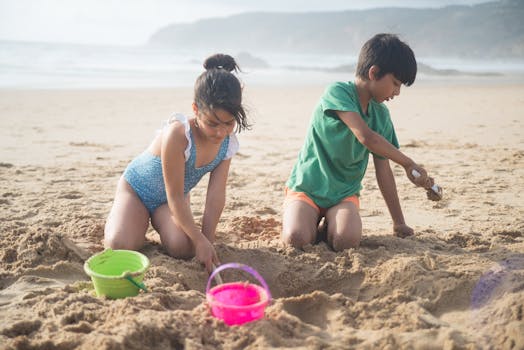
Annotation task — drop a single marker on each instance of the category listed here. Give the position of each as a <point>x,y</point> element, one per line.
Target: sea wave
<point>58,65</point>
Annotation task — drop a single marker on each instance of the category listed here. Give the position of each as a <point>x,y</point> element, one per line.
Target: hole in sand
<point>317,309</point>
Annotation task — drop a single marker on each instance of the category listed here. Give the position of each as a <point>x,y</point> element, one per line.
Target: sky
<point>131,22</point>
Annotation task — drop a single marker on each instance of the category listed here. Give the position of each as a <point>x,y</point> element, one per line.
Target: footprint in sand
<point>266,210</point>
<point>72,195</point>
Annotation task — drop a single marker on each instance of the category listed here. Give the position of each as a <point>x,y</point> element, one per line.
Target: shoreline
<point>278,78</point>
<point>250,76</point>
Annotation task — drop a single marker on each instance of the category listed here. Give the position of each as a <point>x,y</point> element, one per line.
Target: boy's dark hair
<point>217,87</point>
<point>391,55</point>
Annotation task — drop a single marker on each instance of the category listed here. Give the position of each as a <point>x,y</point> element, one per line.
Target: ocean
<point>64,66</point>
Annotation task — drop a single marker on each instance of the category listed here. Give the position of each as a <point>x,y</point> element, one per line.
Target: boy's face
<point>385,88</point>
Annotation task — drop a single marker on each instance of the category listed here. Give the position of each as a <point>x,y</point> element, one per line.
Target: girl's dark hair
<point>217,88</point>
<point>391,55</point>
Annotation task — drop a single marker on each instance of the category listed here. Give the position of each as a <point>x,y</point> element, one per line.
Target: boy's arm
<point>379,145</point>
<point>388,188</point>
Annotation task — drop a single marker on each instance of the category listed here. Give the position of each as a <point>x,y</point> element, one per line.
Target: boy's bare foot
<point>402,230</point>
<point>322,232</point>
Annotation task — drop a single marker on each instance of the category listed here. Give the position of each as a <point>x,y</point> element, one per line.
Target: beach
<point>458,283</point>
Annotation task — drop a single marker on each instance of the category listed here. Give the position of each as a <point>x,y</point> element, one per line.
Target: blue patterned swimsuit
<point>145,176</point>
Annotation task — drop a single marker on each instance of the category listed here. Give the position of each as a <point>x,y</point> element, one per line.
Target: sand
<point>457,284</point>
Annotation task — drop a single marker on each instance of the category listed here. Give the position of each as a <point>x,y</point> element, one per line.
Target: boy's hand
<point>402,230</point>
<point>419,176</point>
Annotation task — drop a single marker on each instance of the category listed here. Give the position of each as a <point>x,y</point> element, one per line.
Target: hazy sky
<point>131,22</point>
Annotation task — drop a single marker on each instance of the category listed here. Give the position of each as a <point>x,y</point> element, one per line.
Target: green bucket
<point>117,273</point>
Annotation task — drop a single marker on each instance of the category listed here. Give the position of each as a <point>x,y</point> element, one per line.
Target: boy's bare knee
<point>340,242</point>
<point>295,239</point>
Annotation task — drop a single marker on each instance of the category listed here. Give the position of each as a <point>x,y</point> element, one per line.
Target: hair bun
<point>221,61</point>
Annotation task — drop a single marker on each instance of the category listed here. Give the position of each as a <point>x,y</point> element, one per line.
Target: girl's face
<point>215,124</point>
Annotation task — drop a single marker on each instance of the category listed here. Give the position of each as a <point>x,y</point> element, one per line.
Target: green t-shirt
<point>332,162</point>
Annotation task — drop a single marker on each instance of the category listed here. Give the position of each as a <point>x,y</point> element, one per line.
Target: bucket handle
<point>137,284</point>
<point>246,268</point>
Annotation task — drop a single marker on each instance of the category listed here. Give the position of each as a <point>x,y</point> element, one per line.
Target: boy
<point>349,122</point>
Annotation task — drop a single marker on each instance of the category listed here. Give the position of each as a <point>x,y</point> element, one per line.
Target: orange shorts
<point>301,196</point>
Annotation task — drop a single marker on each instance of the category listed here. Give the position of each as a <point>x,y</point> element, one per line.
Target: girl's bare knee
<point>117,241</point>
<point>122,240</point>
<point>179,253</point>
<point>180,248</point>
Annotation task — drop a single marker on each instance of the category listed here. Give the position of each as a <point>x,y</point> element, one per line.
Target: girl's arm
<point>174,143</point>
<point>379,145</point>
<point>215,199</point>
<point>388,188</point>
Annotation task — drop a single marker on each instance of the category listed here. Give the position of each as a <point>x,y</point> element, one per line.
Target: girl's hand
<point>206,254</point>
<point>402,230</point>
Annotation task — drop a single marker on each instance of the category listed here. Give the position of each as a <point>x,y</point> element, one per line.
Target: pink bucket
<point>238,302</point>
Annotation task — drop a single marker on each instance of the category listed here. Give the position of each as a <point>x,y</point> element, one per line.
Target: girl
<point>156,184</point>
